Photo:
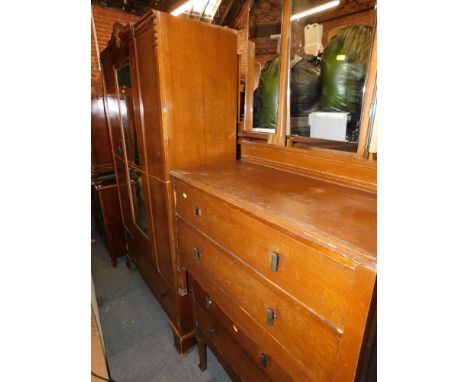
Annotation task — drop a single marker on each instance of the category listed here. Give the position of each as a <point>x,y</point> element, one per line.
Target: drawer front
<point>237,363</point>
<point>312,342</point>
<point>208,314</point>
<point>321,281</point>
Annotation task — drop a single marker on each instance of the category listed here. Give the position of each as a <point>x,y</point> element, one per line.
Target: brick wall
<point>241,25</point>
<point>104,19</point>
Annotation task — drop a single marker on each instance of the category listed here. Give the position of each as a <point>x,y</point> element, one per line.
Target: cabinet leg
<point>114,261</point>
<point>202,354</point>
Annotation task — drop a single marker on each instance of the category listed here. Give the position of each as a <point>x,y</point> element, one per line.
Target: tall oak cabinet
<point>171,102</point>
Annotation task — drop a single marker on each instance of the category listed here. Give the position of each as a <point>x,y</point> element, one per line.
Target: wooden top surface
<point>339,217</point>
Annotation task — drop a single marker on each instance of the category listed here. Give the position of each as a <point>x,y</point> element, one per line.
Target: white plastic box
<point>328,125</point>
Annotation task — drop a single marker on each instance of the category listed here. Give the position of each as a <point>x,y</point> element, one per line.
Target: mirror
<point>138,199</point>
<point>126,114</point>
<point>265,32</point>
<point>329,51</point>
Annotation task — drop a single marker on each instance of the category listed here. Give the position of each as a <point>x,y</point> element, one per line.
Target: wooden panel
<point>149,105</point>
<point>111,106</point>
<point>340,218</point>
<point>282,119</point>
<point>254,330</point>
<point>100,140</point>
<point>310,340</point>
<point>138,243</point>
<point>307,273</point>
<point>160,214</point>
<point>371,88</point>
<point>198,90</point>
<point>112,219</point>
<point>333,166</point>
<point>359,313</point>
<point>236,362</point>
<point>249,87</point>
<point>212,316</point>
<point>164,292</point>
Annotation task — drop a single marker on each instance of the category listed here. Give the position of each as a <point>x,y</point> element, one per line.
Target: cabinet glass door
<point>137,190</point>
<point>126,113</point>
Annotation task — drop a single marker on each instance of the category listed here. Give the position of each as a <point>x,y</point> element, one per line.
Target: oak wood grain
<point>335,216</point>
<point>317,278</point>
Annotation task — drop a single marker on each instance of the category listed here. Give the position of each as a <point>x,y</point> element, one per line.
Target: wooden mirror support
<point>282,119</point>
<point>369,98</point>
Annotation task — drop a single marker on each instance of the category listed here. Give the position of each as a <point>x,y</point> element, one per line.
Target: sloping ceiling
<point>225,15</point>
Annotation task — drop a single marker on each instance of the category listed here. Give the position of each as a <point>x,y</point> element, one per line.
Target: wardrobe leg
<point>202,354</point>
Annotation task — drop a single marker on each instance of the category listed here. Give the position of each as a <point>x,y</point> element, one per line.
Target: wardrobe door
<point>148,110</point>
<point>111,105</point>
<point>148,118</point>
<point>137,183</point>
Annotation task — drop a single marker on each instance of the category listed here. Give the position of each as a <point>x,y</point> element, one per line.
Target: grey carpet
<point>138,341</point>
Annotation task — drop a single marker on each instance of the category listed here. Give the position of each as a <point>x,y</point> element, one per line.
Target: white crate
<point>328,125</point>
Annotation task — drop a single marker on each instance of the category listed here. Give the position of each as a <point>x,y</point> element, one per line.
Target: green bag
<point>266,95</point>
<point>344,69</point>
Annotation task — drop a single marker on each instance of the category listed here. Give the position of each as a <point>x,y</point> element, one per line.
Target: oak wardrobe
<point>171,102</point>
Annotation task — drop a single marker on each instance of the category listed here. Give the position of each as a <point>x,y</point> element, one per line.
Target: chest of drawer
<point>312,342</point>
<point>320,280</point>
<point>231,342</point>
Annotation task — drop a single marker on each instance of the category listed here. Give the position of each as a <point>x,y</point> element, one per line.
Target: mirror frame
<point>116,67</point>
<point>281,136</point>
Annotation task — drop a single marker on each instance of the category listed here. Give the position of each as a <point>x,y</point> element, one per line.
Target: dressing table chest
<point>282,268</point>
<point>278,250</point>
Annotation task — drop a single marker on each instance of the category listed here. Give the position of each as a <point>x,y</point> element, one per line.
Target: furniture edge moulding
<point>361,311</point>
<point>339,169</point>
<point>282,116</point>
<point>164,117</point>
<point>368,99</point>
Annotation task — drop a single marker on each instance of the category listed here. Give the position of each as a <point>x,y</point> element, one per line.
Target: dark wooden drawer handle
<point>211,332</point>
<point>208,302</point>
<point>271,315</point>
<point>197,211</point>
<point>274,262</point>
<point>263,360</point>
<point>197,254</point>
